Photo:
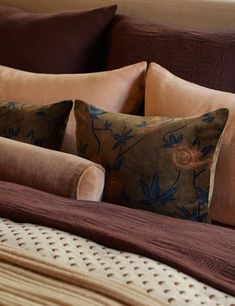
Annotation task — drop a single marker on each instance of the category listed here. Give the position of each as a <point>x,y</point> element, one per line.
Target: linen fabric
<point>65,42</point>
<point>167,94</point>
<point>51,171</point>
<point>120,90</point>
<point>40,125</point>
<point>206,59</point>
<point>162,164</point>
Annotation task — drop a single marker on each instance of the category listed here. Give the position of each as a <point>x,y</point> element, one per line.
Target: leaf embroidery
<point>122,139</point>
<point>153,193</point>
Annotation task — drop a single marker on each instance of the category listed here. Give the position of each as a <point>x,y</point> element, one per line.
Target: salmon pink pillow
<point>120,90</point>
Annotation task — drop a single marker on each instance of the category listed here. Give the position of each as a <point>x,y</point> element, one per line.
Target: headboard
<point>205,15</point>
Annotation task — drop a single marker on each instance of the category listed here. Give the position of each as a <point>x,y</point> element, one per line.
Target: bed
<point>59,249</point>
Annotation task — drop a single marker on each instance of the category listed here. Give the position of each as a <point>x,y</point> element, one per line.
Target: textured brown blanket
<point>203,251</point>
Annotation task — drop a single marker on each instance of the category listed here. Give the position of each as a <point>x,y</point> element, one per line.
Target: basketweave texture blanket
<point>203,251</point>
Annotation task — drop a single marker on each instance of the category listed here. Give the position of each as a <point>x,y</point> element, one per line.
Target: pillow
<point>167,94</point>
<point>162,164</point>
<point>64,42</point>
<point>206,59</point>
<point>40,125</point>
<point>119,90</point>
<point>47,170</point>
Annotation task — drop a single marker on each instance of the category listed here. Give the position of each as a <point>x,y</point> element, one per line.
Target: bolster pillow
<point>52,171</point>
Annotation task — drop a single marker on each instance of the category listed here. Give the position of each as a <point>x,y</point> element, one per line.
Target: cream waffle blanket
<point>27,279</point>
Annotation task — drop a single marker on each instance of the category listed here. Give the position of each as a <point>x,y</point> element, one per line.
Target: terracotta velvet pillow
<point>55,172</point>
<point>120,90</point>
<point>65,42</point>
<point>206,59</point>
<point>162,164</point>
<point>166,94</point>
<point>40,125</point>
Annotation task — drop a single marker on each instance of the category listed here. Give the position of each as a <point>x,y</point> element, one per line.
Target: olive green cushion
<point>41,125</point>
<point>161,164</point>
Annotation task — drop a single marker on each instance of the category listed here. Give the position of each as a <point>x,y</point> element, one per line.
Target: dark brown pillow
<point>40,125</point>
<point>67,42</point>
<point>206,59</point>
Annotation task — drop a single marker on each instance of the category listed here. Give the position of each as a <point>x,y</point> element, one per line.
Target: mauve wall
<point>207,15</point>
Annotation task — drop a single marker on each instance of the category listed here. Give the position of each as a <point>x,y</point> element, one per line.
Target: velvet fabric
<point>166,95</point>
<point>206,59</point>
<point>64,42</point>
<point>162,164</point>
<point>40,125</point>
<point>47,170</point>
<point>120,90</point>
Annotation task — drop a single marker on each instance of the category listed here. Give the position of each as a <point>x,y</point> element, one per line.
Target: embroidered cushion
<point>162,164</point>
<point>120,90</point>
<point>167,94</point>
<point>40,125</point>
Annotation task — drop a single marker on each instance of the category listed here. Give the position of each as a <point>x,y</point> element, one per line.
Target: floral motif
<point>194,215</point>
<point>153,193</point>
<point>158,164</point>
<point>94,112</point>
<point>122,139</point>
<point>186,157</point>
<point>38,125</point>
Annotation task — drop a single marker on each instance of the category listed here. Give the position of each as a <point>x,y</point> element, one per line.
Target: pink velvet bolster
<point>52,171</point>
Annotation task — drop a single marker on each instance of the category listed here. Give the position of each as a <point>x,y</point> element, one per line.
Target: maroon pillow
<point>66,42</point>
<point>207,59</point>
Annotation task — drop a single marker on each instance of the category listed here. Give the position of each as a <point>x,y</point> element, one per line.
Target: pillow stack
<point>164,162</point>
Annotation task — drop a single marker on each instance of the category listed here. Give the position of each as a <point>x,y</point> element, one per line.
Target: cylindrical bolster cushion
<point>52,171</point>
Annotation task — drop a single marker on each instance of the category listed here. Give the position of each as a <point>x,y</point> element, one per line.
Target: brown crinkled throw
<point>204,251</point>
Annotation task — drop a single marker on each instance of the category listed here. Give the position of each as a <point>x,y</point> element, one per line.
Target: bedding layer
<point>157,279</point>
<point>27,279</point>
<point>203,251</point>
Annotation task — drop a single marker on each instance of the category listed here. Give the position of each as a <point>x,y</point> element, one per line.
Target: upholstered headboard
<point>207,15</point>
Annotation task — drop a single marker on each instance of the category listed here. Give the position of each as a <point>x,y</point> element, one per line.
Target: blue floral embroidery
<point>107,125</point>
<point>122,139</point>
<point>143,124</point>
<point>196,142</point>
<point>194,215</point>
<point>201,194</point>
<point>11,132</point>
<point>153,193</point>
<point>94,112</point>
<point>205,151</point>
<point>172,140</point>
<point>208,117</point>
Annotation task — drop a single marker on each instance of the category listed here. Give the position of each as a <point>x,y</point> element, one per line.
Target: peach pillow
<point>168,95</point>
<point>118,90</point>
<point>51,171</point>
